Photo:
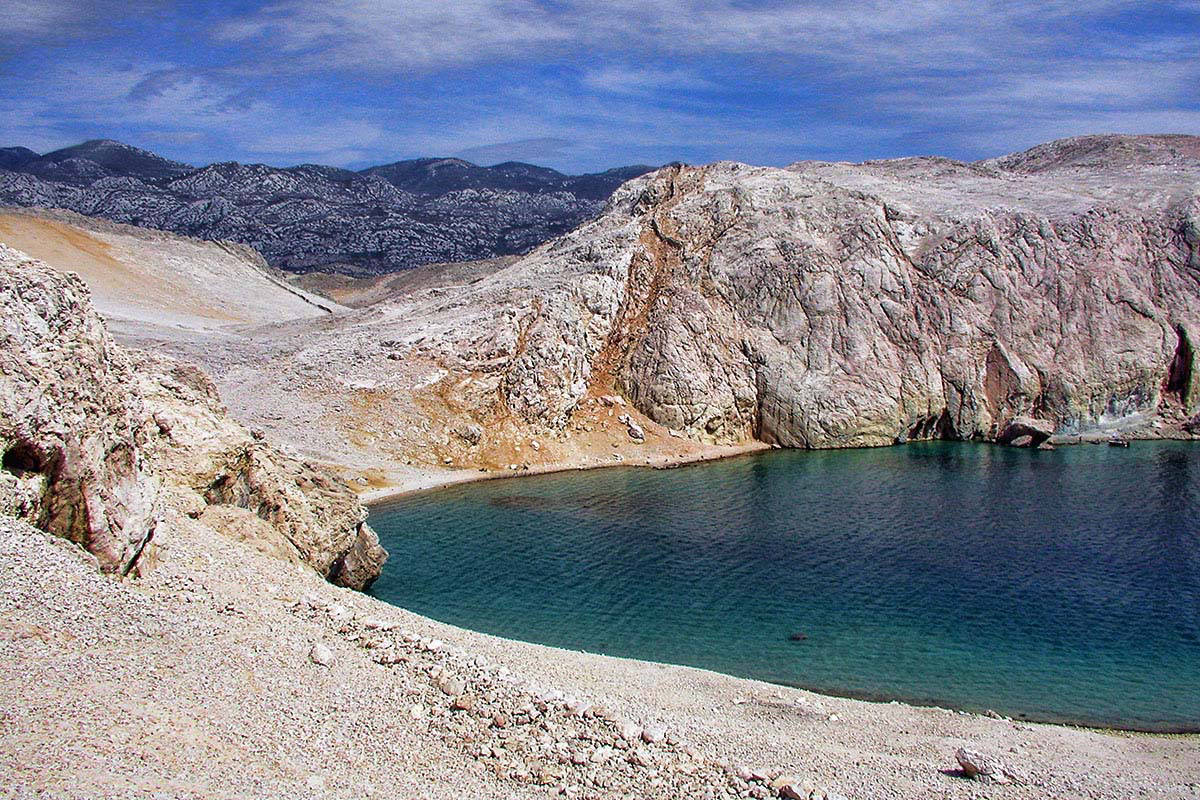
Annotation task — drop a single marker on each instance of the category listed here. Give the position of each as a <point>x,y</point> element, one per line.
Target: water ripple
<point>1058,585</point>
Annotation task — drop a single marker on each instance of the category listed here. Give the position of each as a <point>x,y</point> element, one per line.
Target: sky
<point>584,85</point>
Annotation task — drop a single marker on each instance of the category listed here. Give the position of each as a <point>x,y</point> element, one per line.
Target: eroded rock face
<point>70,431</point>
<point>837,305</point>
<point>202,450</point>
<point>96,439</point>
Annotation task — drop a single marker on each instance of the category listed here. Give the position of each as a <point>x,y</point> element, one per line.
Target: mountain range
<point>318,218</point>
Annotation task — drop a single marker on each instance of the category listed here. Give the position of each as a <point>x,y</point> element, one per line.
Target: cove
<point>1047,585</point>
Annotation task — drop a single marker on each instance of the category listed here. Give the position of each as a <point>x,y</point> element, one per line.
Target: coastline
<point>379,704</point>
<point>1093,724</point>
<point>417,480</point>
<point>432,479</point>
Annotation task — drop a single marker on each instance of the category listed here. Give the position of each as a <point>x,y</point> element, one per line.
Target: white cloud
<point>620,79</point>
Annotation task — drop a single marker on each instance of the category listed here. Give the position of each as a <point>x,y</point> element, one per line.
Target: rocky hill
<point>1054,293</point>
<point>147,277</point>
<point>309,217</point>
<point>100,444</point>
<point>832,305</point>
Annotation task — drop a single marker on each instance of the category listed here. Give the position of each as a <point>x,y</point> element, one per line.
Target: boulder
<point>97,441</point>
<point>982,768</point>
<point>1025,432</point>
<point>199,447</point>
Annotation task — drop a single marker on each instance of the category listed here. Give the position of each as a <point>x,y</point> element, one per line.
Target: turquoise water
<point>1058,585</point>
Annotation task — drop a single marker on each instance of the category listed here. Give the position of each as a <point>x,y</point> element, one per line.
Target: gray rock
<point>982,768</point>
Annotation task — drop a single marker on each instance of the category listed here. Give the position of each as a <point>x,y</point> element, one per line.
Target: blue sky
<point>584,85</point>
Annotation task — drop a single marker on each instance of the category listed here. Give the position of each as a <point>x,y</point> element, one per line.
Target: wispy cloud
<point>582,84</point>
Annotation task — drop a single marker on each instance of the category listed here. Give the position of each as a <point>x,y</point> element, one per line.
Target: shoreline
<point>375,499</point>
<point>434,478</point>
<point>428,481</point>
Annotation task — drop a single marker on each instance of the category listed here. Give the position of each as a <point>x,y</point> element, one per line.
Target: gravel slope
<point>198,681</point>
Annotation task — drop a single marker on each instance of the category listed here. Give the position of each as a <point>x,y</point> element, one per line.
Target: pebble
<point>321,655</point>
<point>653,734</point>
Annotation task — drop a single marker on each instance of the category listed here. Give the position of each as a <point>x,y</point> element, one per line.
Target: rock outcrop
<point>838,305</point>
<point>98,440</point>
<point>200,450</point>
<point>71,432</point>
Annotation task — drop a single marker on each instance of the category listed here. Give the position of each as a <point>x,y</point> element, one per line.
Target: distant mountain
<point>312,217</point>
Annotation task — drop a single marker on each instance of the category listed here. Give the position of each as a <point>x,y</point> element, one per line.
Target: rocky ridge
<point>1043,298</point>
<point>311,217</point>
<point>837,305</point>
<point>99,443</point>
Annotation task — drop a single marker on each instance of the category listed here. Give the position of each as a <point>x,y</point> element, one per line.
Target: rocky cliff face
<point>100,444</point>
<point>311,217</point>
<point>72,435</point>
<point>836,305</point>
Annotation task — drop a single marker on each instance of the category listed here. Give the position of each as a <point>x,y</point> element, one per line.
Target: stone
<point>452,685</point>
<point>601,755</point>
<point>982,768</point>
<point>652,734</point>
<point>788,786</point>
<point>629,731</point>
<point>1025,432</point>
<point>321,655</point>
<point>469,432</point>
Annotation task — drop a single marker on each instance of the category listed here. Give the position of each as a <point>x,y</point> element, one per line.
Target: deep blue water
<point>1058,585</point>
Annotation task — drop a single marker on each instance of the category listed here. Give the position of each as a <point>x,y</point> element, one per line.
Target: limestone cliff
<point>98,440</point>
<point>833,305</point>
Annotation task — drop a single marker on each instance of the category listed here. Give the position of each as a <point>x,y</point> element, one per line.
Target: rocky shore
<point>178,614</point>
<point>225,672</point>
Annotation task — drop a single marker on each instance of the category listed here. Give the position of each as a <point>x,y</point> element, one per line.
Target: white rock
<point>653,734</point>
<point>629,731</point>
<point>321,655</point>
<point>602,754</point>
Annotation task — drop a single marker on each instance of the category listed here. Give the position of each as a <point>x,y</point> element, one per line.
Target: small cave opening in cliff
<point>21,459</point>
<point>1179,373</point>
<point>934,426</point>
